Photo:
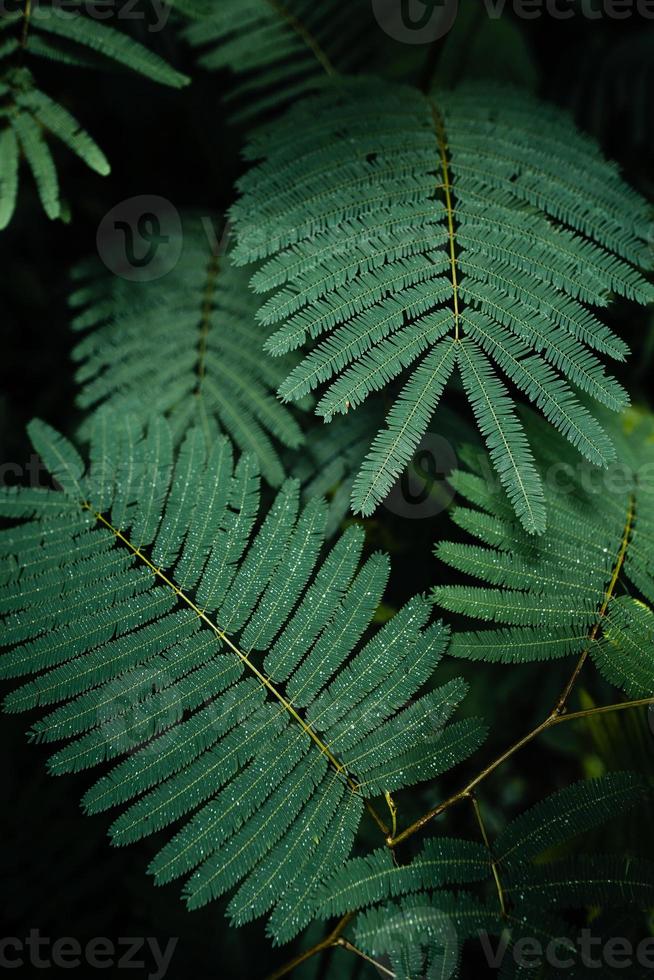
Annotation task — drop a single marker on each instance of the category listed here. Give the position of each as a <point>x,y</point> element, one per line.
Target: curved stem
<point>557,714</point>
<point>333,939</point>
<point>550,721</point>
<point>608,595</point>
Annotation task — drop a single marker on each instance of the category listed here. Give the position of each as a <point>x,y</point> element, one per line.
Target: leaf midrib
<point>245,660</point>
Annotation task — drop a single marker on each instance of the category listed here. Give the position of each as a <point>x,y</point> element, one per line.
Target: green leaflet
<point>562,594</point>
<point>185,344</point>
<point>106,41</point>
<point>423,935</point>
<point>281,49</point>
<point>216,661</point>
<point>368,880</point>
<point>404,234</point>
<point>582,881</point>
<point>29,116</point>
<point>572,811</point>
<point>8,175</point>
<point>426,930</point>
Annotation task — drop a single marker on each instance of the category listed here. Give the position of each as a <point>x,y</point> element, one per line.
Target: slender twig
<point>487,843</point>
<point>550,721</point>
<point>603,710</point>
<point>346,944</point>
<point>390,802</point>
<point>26,23</point>
<point>557,714</point>
<point>330,940</point>
<point>608,595</point>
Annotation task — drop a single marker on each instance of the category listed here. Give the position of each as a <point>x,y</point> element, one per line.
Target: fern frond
<point>423,935</point>
<point>432,922</point>
<point>405,235</point>
<point>283,49</point>
<point>367,880</point>
<point>566,814</point>
<point>186,344</point>
<point>562,594</point>
<point>29,116</point>
<point>51,31</point>
<point>583,881</point>
<point>229,671</point>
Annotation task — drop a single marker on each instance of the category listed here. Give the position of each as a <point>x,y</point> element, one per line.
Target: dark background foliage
<point>59,874</point>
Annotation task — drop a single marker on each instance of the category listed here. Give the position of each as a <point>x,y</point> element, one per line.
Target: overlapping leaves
<point>411,919</point>
<point>281,49</point>
<point>588,585</point>
<point>229,666</point>
<point>184,342</point>
<point>406,236</point>
<point>29,117</point>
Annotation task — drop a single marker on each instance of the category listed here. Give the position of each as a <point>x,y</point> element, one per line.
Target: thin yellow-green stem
<point>439,126</point>
<point>608,595</point>
<point>487,843</point>
<point>306,36</point>
<point>346,944</point>
<point>558,713</point>
<point>332,939</point>
<point>26,23</point>
<point>261,677</point>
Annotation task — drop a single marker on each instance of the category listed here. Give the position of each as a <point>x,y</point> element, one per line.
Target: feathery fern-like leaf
<point>29,116</point>
<point>407,235</point>
<point>562,594</point>
<point>283,49</point>
<point>184,343</point>
<point>229,667</point>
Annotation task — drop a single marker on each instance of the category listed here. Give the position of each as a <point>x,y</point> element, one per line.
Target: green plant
<point>434,235</point>
<point>28,116</point>
<point>192,602</point>
<point>585,589</point>
<point>178,606</point>
<point>185,344</point>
